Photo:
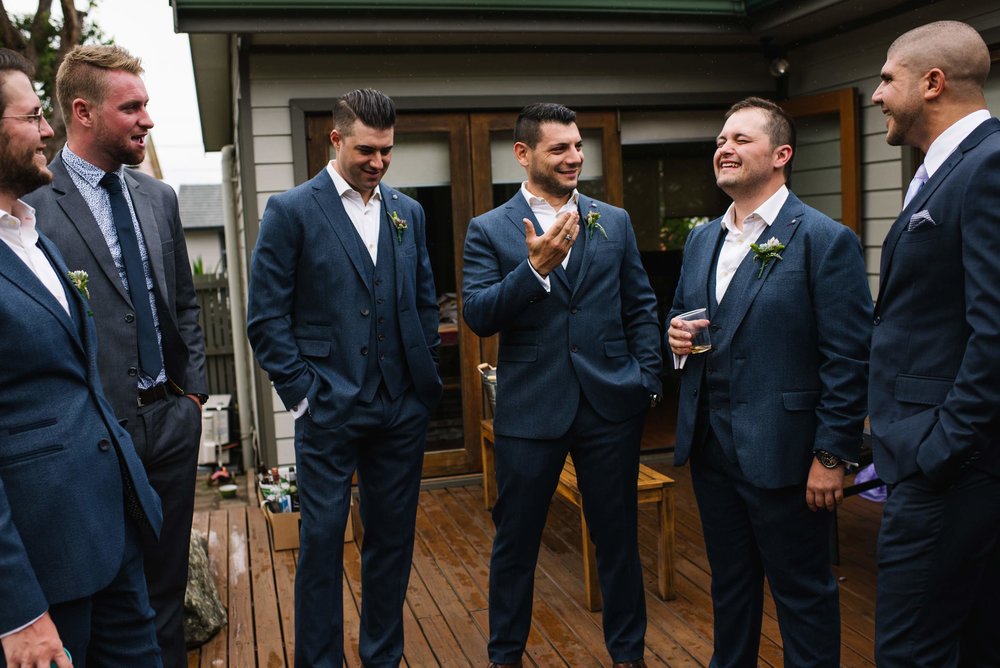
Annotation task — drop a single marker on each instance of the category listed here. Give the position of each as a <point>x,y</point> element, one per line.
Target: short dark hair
<point>528,130</point>
<point>779,127</point>
<point>373,108</point>
<point>12,61</point>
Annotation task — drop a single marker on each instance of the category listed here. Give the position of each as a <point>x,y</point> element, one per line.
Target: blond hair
<point>83,73</point>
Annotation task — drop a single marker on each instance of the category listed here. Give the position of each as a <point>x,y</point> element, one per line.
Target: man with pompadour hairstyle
<point>343,317</point>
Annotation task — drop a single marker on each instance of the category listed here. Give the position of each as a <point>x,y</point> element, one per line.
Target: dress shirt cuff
<point>679,360</point>
<point>299,409</point>
<point>21,628</point>
<point>544,280</point>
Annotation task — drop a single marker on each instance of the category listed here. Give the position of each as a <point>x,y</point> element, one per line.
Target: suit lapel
<point>704,266</point>
<point>328,200</point>
<point>390,200</point>
<point>79,215</point>
<point>745,285</point>
<point>517,211</point>
<point>584,206</point>
<point>17,272</point>
<point>150,232</point>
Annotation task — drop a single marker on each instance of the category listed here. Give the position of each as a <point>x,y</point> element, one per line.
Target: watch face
<point>827,459</point>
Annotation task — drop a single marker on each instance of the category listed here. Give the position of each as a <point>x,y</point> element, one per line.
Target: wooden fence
<point>216,323</point>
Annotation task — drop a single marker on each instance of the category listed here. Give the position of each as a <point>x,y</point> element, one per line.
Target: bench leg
<point>591,584</point>
<point>665,546</point>
<point>489,473</point>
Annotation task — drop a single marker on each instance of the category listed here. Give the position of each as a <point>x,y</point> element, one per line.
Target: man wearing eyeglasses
<point>124,230</point>
<point>74,499</point>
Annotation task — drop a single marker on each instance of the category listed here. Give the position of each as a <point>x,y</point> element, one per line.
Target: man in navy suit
<point>935,367</point>
<point>558,275</point>
<point>74,499</point>
<point>771,414</point>
<point>343,317</point>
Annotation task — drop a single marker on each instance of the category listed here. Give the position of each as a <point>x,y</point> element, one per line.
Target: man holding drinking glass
<point>771,414</point>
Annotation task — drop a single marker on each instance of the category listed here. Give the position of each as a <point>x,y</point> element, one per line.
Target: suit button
<point>573,311</point>
<point>714,328</point>
<point>378,281</point>
<point>380,301</point>
<point>574,348</point>
<point>104,445</point>
<point>365,312</point>
<point>381,358</point>
<point>381,320</point>
<point>381,337</point>
<point>876,320</point>
<point>364,350</point>
<point>132,371</point>
<point>129,317</point>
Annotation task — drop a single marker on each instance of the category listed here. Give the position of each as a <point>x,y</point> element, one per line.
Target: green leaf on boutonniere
<point>399,224</point>
<point>592,224</point>
<point>765,252</point>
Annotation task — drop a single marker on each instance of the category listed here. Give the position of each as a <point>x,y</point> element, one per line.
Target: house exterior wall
<point>855,59</point>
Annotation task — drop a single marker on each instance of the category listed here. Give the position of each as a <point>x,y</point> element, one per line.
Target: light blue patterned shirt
<point>87,178</point>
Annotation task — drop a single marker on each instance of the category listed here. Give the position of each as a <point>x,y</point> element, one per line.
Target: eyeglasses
<point>36,118</point>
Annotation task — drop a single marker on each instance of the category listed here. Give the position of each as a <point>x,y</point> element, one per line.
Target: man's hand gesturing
<point>546,252</point>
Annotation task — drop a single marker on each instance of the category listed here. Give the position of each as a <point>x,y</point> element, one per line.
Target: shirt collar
<point>20,213</point>
<point>90,173</point>
<point>768,211</point>
<point>344,188</point>
<point>948,141</point>
<point>534,200</point>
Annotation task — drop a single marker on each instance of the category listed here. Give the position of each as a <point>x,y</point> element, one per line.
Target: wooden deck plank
<point>267,622</point>
<point>241,637</point>
<point>284,583</point>
<point>217,648</point>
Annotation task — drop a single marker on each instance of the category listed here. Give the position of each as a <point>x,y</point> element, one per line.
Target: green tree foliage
<point>45,41</point>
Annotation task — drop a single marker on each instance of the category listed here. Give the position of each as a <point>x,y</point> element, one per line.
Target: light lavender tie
<point>919,179</point>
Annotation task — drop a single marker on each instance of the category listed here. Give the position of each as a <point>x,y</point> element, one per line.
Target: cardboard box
<point>284,527</point>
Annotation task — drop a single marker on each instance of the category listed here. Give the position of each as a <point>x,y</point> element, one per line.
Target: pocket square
<point>920,219</point>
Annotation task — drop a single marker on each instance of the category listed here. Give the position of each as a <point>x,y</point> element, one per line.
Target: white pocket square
<point>920,219</point>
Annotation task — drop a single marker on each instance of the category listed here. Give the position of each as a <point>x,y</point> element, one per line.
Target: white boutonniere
<point>591,222</point>
<point>765,252</point>
<point>79,279</point>
<point>399,224</point>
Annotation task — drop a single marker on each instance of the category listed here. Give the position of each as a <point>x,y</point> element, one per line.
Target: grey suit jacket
<point>63,215</point>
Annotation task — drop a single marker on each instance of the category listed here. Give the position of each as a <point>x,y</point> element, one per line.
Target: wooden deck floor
<point>446,612</point>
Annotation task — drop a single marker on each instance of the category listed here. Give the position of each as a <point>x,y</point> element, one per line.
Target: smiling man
<point>772,413</point>
<point>343,317</point>
<point>935,371</point>
<point>122,227</point>
<point>74,498</point>
<point>558,275</point>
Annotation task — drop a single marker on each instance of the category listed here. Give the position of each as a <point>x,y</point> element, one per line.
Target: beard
<point>550,183</point>
<point>19,173</point>
<point>120,149</point>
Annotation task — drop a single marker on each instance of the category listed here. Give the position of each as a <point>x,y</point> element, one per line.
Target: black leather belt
<point>153,394</point>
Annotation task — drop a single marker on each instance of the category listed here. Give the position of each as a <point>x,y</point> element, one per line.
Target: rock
<point>204,614</point>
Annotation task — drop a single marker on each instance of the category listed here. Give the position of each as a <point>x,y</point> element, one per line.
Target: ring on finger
<point>569,237</point>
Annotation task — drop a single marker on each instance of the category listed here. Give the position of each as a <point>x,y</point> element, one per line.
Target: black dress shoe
<point>494,664</point>
<point>641,663</point>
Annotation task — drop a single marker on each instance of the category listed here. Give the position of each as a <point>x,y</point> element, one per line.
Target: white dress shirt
<point>546,216</point>
<point>736,245</point>
<point>17,229</point>
<point>366,217</point>
<point>948,141</point>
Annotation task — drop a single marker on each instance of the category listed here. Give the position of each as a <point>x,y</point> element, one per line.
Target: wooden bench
<point>652,487</point>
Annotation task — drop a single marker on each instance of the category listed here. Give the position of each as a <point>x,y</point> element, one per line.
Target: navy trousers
<point>751,533</point>
<point>606,457</point>
<point>384,441</point>
<point>938,602</point>
<point>115,627</point>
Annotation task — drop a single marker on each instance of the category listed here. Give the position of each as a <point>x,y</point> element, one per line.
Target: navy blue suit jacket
<point>599,335</point>
<point>62,511</point>
<point>935,372</point>
<point>797,348</point>
<point>308,314</point>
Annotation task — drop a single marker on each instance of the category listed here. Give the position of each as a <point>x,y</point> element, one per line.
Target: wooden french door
<point>458,165</point>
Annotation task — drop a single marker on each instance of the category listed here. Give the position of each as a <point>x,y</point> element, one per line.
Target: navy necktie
<point>149,348</point>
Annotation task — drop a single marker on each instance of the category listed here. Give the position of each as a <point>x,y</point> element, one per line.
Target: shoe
<point>494,664</point>
<point>631,664</point>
